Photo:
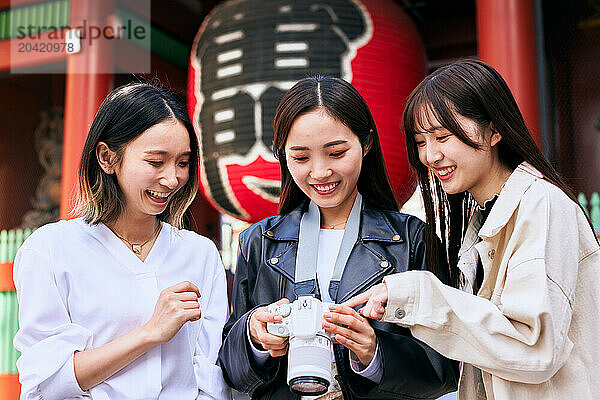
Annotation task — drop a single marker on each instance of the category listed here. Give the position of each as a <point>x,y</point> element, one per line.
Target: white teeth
<point>324,188</point>
<point>159,194</point>
<point>444,172</point>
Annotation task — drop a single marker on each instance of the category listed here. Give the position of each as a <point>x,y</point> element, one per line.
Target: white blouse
<point>80,287</point>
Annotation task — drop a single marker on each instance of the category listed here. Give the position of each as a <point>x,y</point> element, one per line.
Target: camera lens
<point>309,385</point>
<point>309,365</point>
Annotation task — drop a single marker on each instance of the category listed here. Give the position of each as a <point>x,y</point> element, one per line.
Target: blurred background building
<point>547,50</point>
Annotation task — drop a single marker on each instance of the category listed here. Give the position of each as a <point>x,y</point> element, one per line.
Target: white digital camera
<point>310,347</point>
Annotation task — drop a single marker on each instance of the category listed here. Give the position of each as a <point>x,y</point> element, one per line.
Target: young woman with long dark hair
<point>522,309</point>
<point>122,303</point>
<point>332,168</point>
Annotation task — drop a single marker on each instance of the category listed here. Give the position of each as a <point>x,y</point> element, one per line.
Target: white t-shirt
<point>80,287</point>
<point>330,241</point>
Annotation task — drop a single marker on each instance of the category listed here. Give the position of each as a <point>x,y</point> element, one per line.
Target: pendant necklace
<point>137,247</point>
<point>334,225</point>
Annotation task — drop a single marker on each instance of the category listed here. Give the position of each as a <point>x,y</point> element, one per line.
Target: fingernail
<point>327,315</point>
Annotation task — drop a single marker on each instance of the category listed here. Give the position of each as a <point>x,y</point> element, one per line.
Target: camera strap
<point>308,247</point>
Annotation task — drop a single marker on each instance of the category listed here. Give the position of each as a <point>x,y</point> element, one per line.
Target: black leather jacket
<point>388,242</point>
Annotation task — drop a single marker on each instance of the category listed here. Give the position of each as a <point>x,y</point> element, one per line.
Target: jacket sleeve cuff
<point>260,356</point>
<point>403,298</point>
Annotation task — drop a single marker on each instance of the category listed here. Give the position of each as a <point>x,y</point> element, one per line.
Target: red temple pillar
<point>87,83</point>
<point>506,41</point>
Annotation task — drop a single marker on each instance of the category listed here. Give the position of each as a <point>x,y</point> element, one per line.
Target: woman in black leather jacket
<point>330,156</point>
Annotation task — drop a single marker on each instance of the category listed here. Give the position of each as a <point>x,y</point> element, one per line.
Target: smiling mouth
<point>327,188</point>
<point>444,173</point>
<point>159,197</point>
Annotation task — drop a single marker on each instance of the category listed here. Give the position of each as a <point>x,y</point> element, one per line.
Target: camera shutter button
<point>285,310</point>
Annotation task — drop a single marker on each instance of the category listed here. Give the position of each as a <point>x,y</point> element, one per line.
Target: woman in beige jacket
<point>522,314</point>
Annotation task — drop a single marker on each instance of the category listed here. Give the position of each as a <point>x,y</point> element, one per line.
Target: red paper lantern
<point>249,52</point>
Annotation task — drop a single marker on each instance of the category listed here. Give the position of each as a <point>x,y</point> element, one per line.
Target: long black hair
<point>341,101</point>
<point>474,90</point>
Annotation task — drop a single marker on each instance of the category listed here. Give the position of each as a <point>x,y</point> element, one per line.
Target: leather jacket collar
<point>374,226</point>
<point>367,263</point>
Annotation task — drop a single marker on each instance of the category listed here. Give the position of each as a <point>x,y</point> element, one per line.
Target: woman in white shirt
<point>122,303</point>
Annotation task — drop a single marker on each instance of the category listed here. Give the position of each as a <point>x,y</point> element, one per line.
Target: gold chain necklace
<point>137,247</point>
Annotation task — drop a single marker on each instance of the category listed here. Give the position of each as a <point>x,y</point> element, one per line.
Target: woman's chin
<point>450,188</point>
<point>326,201</point>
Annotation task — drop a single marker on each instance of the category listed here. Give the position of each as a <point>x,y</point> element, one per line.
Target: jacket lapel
<point>280,239</point>
<point>467,255</point>
<point>510,197</point>
<point>366,264</point>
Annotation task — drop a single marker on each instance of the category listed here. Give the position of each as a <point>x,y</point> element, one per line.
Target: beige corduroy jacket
<point>534,327</point>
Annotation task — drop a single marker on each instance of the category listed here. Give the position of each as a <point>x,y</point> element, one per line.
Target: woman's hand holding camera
<point>352,331</point>
<point>276,346</point>
<point>175,306</point>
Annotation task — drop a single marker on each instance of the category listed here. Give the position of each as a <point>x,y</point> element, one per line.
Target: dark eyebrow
<point>330,144</point>
<point>335,143</point>
<point>163,153</point>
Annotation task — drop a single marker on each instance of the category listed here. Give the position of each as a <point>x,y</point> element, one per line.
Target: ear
<point>106,158</point>
<point>495,137</point>
<point>368,145</point>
